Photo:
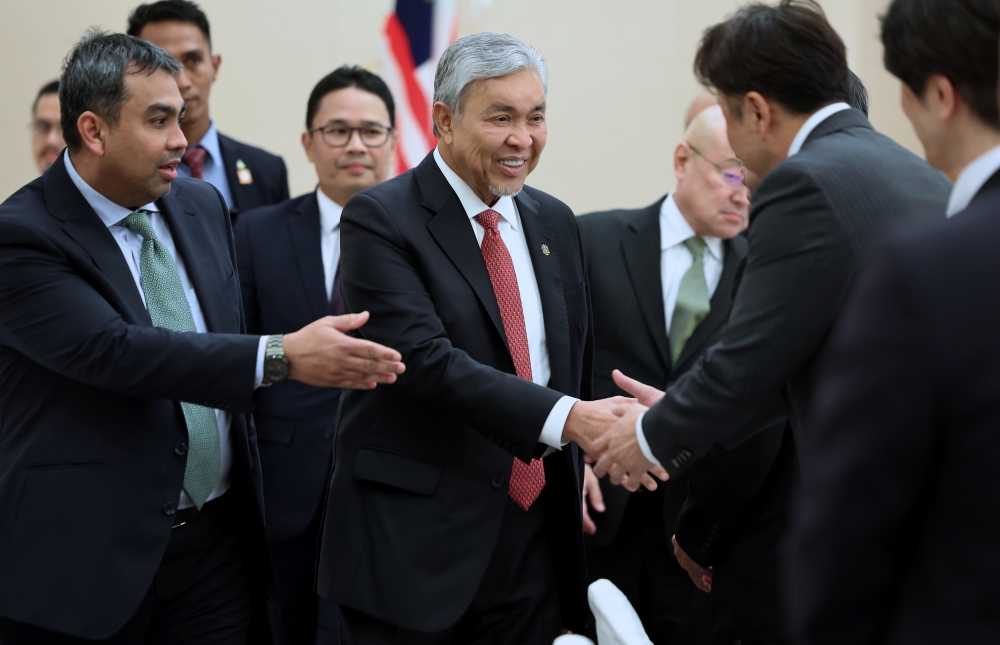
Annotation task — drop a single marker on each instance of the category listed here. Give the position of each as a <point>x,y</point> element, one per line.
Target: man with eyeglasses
<point>669,270</point>
<point>289,265</point>
<point>46,129</point>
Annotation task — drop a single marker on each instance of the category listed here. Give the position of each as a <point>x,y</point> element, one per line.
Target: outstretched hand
<point>321,354</point>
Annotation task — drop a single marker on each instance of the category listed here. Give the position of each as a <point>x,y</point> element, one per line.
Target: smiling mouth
<point>513,163</point>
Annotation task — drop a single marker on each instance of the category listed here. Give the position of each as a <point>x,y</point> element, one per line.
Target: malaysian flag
<point>415,36</point>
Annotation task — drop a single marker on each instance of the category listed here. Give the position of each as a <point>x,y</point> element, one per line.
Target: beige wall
<point>620,76</point>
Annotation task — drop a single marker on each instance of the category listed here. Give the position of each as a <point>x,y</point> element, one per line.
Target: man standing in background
<point>669,271</point>
<point>247,177</point>
<point>46,130</point>
<point>289,264</point>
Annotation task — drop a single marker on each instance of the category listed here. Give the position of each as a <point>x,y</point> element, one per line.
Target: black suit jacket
<point>814,221</point>
<point>268,173</point>
<point>630,334</point>
<point>281,276</point>
<point>421,467</point>
<point>91,463</point>
<point>897,535</point>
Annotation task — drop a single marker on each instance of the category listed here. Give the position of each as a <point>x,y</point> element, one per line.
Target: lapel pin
<point>243,173</point>
<point>545,249</point>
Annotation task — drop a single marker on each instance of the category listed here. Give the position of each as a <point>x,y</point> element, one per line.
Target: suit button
<point>181,449</point>
<point>675,463</point>
<point>497,481</point>
<point>169,508</point>
<point>513,451</point>
<point>328,432</point>
<point>225,405</point>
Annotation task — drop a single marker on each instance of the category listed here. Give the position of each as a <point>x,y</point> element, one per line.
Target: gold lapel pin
<point>545,249</point>
<point>243,173</point>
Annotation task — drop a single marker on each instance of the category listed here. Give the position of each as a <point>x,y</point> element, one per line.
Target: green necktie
<point>692,299</point>
<point>168,308</point>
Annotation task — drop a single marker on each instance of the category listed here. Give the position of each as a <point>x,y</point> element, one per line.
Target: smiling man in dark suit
<point>676,309</point>
<point>454,507</point>
<point>289,261</point>
<point>247,177</point>
<point>130,490</point>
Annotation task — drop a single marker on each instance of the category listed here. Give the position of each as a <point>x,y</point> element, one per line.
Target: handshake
<point>606,431</point>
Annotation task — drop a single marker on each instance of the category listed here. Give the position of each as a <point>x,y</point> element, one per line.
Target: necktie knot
<point>139,222</point>
<point>489,218</point>
<point>696,244</point>
<point>195,160</point>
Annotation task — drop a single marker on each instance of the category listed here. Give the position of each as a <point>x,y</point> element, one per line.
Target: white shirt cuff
<point>643,444</point>
<point>258,377</point>
<point>552,431</point>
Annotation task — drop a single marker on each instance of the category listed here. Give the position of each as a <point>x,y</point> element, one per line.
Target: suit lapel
<point>303,227</point>
<point>537,231</point>
<point>451,229</point>
<point>83,225</point>
<point>642,257</point>
<point>735,251</point>
<point>200,262</point>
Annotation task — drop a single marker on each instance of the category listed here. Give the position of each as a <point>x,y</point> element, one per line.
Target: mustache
<point>166,159</point>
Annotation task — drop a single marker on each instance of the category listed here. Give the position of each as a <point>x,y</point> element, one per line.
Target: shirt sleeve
<point>647,452</point>
<point>258,377</point>
<point>552,430</point>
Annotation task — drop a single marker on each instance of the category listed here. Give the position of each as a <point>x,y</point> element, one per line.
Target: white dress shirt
<point>512,235</point>
<point>975,175</point>
<point>130,244</point>
<point>213,171</point>
<point>329,238</point>
<point>800,138</point>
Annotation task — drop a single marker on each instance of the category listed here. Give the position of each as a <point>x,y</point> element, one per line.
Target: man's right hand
<point>322,354</point>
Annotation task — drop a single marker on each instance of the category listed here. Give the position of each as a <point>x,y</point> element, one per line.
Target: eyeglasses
<point>372,135</point>
<point>42,128</point>
<point>732,176</point>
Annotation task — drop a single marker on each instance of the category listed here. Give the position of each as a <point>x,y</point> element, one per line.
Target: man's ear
<point>444,119</point>
<point>216,64</point>
<point>307,141</point>
<point>93,132</point>
<point>941,97</point>
<point>759,111</point>
<point>682,155</point>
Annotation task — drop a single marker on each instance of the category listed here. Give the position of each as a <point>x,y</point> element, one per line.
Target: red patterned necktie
<point>195,160</point>
<point>526,480</point>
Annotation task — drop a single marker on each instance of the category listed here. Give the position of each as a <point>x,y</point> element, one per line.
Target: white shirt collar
<point>975,175</point>
<point>470,201</point>
<point>329,212</point>
<point>210,142</point>
<point>818,117</point>
<point>109,212</point>
<point>674,229</point>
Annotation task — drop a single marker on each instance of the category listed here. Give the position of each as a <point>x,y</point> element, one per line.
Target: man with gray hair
<point>453,514</point>
<point>130,487</point>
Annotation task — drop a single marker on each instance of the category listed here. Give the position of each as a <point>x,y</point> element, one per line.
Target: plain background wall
<point>620,76</point>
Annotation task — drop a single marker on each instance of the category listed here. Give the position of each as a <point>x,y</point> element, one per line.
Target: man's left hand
<point>618,453</point>
<point>700,576</point>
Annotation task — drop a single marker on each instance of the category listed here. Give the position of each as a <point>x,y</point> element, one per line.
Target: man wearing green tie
<point>130,488</point>
<point>661,279</point>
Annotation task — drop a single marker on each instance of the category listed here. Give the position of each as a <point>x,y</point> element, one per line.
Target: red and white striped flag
<point>415,36</point>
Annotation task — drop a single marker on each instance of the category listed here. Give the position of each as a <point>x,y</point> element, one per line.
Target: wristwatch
<point>276,368</point>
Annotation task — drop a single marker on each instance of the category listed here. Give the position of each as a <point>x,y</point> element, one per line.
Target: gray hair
<point>479,56</point>
<point>93,78</point>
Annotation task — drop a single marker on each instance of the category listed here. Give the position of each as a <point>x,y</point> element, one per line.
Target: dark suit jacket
<point>421,467</point>
<point>91,456</point>
<point>630,334</point>
<point>814,221</point>
<point>897,535</point>
<point>268,172</point>
<point>281,276</point>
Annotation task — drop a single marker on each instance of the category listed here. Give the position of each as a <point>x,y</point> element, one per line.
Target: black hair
<point>857,94</point>
<point>52,87</point>
<point>93,78</point>
<point>350,76</point>
<point>954,38</point>
<point>787,52</point>
<point>164,10</point>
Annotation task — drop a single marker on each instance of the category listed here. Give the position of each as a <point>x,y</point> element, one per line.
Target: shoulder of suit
<point>738,245</point>
<point>273,211</point>
<point>251,155</point>
<point>24,201</point>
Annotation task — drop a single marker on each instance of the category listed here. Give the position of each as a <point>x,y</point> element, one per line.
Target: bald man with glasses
<point>669,270</point>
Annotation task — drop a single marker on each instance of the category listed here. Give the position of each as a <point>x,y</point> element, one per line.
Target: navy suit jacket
<point>268,173</point>
<point>281,276</point>
<point>91,430</point>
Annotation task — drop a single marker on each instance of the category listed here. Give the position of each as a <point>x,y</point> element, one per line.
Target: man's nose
<point>519,138</point>
<point>355,143</point>
<point>183,83</point>
<point>55,138</point>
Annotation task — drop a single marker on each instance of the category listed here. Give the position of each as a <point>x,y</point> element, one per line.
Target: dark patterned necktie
<point>195,160</point>
<point>526,480</point>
